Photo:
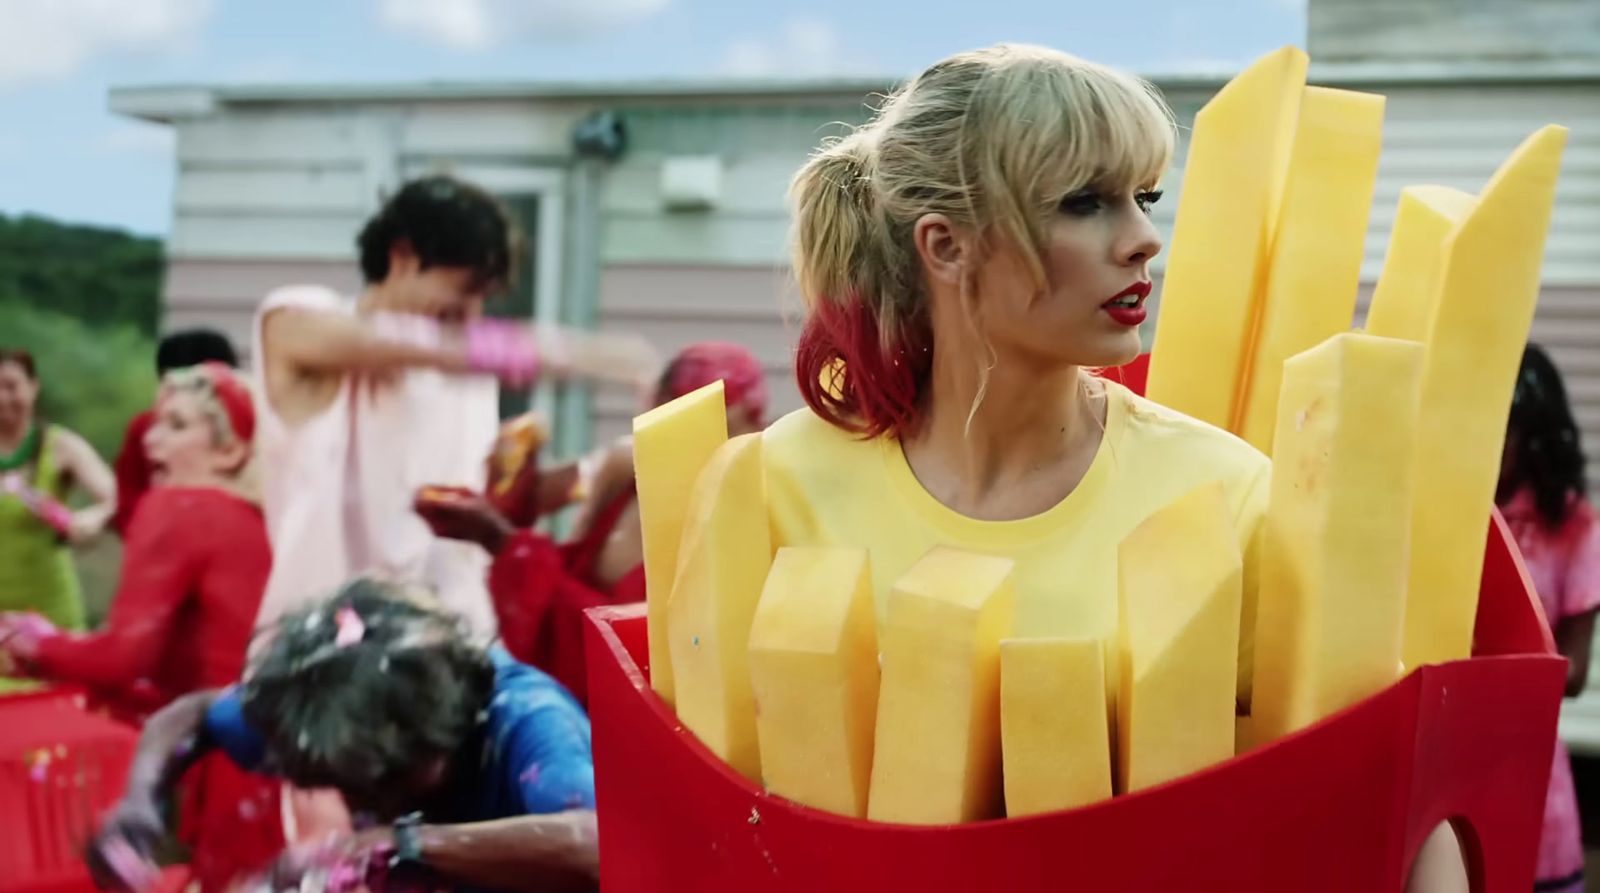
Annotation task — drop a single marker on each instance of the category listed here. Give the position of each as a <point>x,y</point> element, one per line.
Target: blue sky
<point>63,155</point>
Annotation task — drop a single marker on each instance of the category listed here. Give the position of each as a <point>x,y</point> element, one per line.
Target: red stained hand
<point>459,514</point>
<point>21,632</point>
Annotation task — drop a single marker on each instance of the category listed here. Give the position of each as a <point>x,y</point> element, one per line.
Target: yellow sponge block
<point>814,671</point>
<point>671,444</point>
<point>1055,729</point>
<point>1487,290</point>
<point>937,754</point>
<point>1402,302</point>
<point>1331,607</point>
<point>1180,585</point>
<point>722,565</point>
<point>1222,239</point>
<point>1317,249</point>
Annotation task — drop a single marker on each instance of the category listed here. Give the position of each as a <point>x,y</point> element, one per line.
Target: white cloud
<point>137,138</point>
<point>46,39</point>
<point>802,48</point>
<point>480,24</point>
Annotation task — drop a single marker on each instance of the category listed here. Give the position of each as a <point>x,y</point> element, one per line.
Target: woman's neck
<point>13,435</point>
<point>1015,450</point>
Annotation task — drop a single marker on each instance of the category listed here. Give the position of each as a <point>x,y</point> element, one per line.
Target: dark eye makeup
<point>1087,202</point>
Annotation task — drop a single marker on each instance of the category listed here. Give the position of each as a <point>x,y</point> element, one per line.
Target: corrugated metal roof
<point>169,102</point>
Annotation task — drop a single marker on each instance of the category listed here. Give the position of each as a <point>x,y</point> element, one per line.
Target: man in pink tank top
<point>369,399</point>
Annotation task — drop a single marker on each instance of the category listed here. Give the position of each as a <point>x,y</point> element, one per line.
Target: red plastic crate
<point>1341,807</point>
<point>61,767</point>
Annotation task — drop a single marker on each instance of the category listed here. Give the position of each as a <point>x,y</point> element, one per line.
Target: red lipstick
<point>1127,307</point>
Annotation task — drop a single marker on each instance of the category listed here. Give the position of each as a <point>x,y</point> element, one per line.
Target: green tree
<point>101,276</point>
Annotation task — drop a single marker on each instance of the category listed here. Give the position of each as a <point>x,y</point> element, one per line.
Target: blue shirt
<point>536,756</point>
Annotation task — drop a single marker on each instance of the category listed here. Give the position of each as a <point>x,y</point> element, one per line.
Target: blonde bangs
<point>1043,125</point>
<point>1125,130</point>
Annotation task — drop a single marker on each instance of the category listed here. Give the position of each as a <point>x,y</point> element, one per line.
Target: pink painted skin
<point>21,632</point>
<point>56,515</point>
<point>503,349</point>
<point>48,510</point>
<point>518,354</point>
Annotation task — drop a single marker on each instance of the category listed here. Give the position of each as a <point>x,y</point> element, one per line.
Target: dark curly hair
<point>1547,457</point>
<point>448,223</point>
<point>191,347</point>
<point>355,692</point>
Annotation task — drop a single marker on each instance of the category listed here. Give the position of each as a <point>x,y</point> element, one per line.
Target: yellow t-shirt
<point>828,487</point>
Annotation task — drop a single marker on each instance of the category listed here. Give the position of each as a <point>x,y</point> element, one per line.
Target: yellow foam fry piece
<point>722,566</point>
<point>1317,249</point>
<point>1331,606</point>
<point>1179,590</point>
<point>814,672</point>
<point>1233,186</point>
<point>936,758</point>
<point>1055,730</point>
<point>1402,302</point>
<point>1244,735</point>
<point>1487,291</point>
<point>671,444</point>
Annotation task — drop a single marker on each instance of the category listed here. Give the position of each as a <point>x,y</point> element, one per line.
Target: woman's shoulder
<point>803,440</point>
<point>66,443</point>
<point>204,509</point>
<point>199,497</point>
<point>305,297</point>
<point>1167,434</point>
<point>70,452</point>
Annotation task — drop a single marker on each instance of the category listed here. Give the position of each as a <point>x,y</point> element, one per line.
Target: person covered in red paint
<point>193,572</point>
<point>177,350</point>
<point>540,588</point>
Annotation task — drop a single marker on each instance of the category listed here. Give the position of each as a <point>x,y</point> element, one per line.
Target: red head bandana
<point>743,380</point>
<point>234,397</point>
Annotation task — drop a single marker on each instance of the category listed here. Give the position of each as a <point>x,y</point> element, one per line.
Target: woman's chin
<point>1116,350</point>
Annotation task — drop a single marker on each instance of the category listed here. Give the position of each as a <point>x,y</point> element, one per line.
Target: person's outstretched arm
<point>172,741</point>
<point>535,853</point>
<point>324,342</point>
<point>166,553</point>
<point>90,473</point>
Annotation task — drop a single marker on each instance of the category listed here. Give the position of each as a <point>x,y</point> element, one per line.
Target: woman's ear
<point>232,457</point>
<point>944,248</point>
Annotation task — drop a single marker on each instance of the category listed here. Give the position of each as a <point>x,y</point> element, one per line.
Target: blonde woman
<point>966,257</point>
<point>194,569</point>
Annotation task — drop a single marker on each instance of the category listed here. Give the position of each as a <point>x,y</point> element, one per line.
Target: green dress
<point>36,569</point>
